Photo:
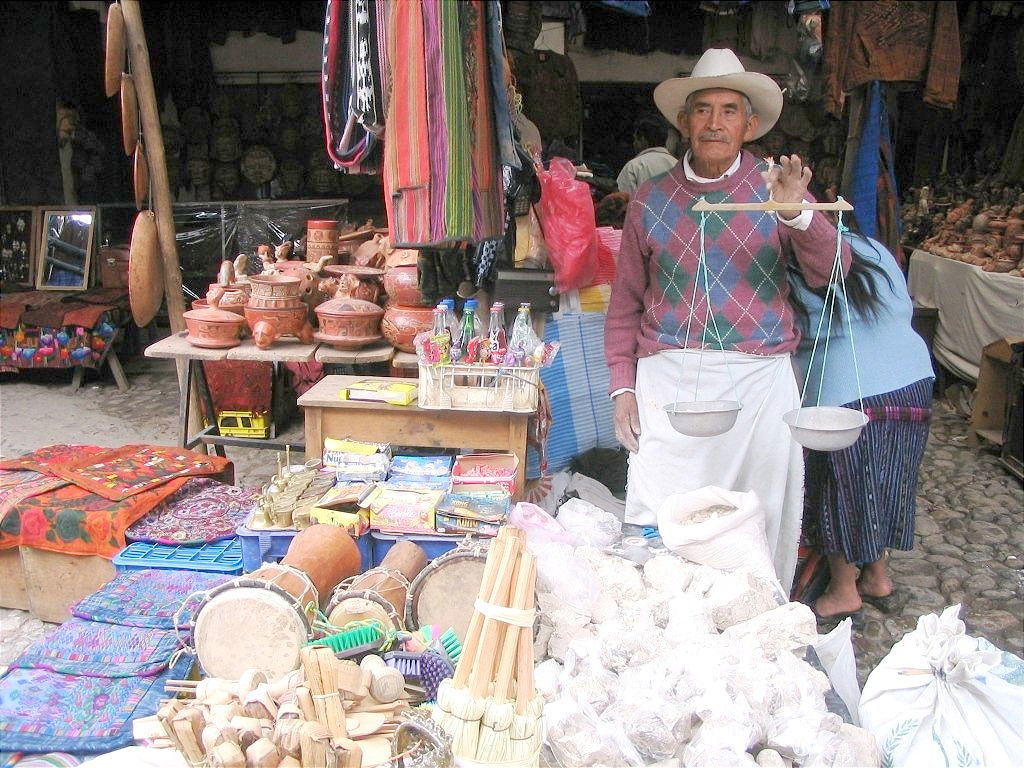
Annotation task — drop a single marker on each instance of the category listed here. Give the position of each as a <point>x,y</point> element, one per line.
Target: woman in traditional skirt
<point>864,495</point>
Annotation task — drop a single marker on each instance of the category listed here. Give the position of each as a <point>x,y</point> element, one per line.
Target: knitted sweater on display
<point>745,252</point>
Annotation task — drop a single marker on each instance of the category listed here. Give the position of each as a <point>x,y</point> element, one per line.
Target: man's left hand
<point>787,182</point>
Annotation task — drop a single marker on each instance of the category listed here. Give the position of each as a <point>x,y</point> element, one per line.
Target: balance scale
<point>820,428</point>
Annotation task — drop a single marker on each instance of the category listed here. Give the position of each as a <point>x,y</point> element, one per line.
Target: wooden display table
<point>327,415</point>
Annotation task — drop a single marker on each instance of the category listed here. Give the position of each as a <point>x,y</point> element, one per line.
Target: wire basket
<point>479,388</point>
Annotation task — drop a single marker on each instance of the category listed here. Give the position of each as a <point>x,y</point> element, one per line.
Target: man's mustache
<point>711,136</point>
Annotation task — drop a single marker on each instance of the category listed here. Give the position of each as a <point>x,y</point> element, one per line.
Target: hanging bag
<point>567,220</point>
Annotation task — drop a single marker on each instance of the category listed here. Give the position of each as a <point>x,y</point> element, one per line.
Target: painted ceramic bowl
<point>212,327</point>
<point>361,282</point>
<point>401,324</point>
<point>348,323</point>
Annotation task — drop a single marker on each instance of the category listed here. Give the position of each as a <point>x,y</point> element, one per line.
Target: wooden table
<point>327,415</point>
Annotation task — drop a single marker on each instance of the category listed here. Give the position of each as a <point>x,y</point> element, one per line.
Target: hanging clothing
<point>352,82</point>
<point>758,454</point>
<point>551,93</point>
<point>873,187</point>
<point>889,41</point>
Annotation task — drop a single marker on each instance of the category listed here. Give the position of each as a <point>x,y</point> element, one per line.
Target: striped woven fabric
<point>458,198</point>
<point>406,161</point>
<point>865,495</point>
<point>488,197</point>
<point>898,413</point>
<point>438,146</point>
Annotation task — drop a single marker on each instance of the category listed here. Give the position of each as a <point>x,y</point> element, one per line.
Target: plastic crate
<point>479,388</point>
<point>434,546</point>
<point>218,557</point>
<point>259,547</point>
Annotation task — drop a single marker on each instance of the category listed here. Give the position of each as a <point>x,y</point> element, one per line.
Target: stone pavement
<point>969,544</point>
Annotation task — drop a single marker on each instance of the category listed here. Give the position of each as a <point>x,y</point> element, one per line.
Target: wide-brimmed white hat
<point>721,68</point>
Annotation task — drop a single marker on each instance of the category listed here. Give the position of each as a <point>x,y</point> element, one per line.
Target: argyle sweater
<point>745,252</point>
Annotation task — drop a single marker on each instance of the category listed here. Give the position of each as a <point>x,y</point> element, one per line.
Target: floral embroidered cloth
<point>202,511</point>
<point>147,598</point>
<point>40,460</point>
<point>41,711</point>
<point>134,469</point>
<point>16,485</point>
<point>73,520</point>
<point>98,649</point>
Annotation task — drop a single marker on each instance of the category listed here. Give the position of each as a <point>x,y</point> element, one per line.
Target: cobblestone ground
<point>969,545</point>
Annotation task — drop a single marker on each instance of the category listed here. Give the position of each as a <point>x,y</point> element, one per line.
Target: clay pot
<point>371,253</point>
<point>347,322</point>
<point>233,298</point>
<point>401,324</point>
<point>269,325</point>
<point>321,240</point>
<point>401,284</point>
<point>360,282</point>
<point>349,242</point>
<point>309,278</point>
<point>274,292</point>
<point>211,327</point>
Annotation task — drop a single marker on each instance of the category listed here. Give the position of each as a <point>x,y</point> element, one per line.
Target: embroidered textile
<point>16,485</point>
<point>202,511</point>
<point>42,711</point>
<point>75,521</point>
<point>98,649</point>
<point>147,598</point>
<point>131,469</point>
<point>40,460</point>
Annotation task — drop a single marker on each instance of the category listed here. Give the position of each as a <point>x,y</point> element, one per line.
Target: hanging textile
<point>873,187</point>
<point>441,158</point>
<point>887,41</point>
<point>352,82</point>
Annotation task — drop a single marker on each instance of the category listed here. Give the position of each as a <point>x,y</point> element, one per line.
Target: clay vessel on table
<point>232,299</point>
<point>307,273</point>
<point>401,324</point>
<point>349,241</point>
<point>321,239</point>
<point>362,282</point>
<point>401,284</point>
<point>212,327</point>
<point>347,322</point>
<point>275,310</point>
<point>371,253</point>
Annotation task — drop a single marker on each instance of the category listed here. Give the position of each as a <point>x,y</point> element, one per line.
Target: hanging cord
<point>718,334</point>
<point>693,302</point>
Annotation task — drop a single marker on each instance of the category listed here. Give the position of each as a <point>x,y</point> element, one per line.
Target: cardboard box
<point>503,465</point>
<point>991,393</point>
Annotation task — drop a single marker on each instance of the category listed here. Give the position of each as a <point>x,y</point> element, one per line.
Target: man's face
<point>717,125</point>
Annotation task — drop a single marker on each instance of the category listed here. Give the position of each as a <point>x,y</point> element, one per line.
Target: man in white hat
<point>655,329</point>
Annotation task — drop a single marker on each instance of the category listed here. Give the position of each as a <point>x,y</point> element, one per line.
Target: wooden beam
<point>138,55</point>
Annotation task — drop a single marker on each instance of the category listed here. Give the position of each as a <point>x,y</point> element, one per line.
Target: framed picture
<point>18,232</point>
<point>65,248</point>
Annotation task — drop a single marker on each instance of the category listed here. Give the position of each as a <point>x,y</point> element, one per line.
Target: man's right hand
<point>627,421</point>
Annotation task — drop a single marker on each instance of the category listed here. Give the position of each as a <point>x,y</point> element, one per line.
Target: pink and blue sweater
<point>746,254</point>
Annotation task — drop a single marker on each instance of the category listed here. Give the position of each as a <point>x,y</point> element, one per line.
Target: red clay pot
<point>401,324</point>
<point>401,284</point>
<point>360,282</point>
<point>348,323</point>
<point>211,327</point>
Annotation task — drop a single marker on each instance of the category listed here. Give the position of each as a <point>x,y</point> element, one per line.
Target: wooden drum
<point>326,553</point>
<point>381,592</point>
<point>445,591</point>
<point>259,621</point>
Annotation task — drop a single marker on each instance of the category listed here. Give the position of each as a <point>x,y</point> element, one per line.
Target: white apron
<point>758,454</point>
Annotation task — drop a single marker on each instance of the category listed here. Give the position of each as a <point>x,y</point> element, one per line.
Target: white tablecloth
<point>975,308</point>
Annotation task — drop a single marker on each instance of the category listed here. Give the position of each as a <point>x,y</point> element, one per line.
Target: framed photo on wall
<point>65,249</point>
<point>19,227</point>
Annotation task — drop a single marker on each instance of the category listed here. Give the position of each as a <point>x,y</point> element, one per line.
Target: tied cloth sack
<point>944,698</point>
<point>723,529</point>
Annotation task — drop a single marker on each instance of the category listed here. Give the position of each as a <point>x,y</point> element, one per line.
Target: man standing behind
<point>653,159</point>
<point>655,325</point>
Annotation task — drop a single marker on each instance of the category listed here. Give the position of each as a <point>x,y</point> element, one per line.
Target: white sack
<point>933,701</point>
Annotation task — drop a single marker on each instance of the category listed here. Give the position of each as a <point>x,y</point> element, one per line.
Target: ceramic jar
<point>321,240</point>
<point>371,253</point>
<point>347,322</point>
<point>233,298</point>
<point>275,309</point>
<point>401,284</point>
<point>360,282</point>
<point>401,324</point>
<point>349,242</point>
<point>211,327</point>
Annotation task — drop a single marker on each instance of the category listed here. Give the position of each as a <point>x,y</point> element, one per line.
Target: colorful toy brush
<point>449,641</point>
<point>434,667</point>
<point>355,639</point>
<point>406,663</point>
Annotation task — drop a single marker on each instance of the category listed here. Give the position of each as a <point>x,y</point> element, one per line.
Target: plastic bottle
<point>440,338</point>
<point>523,340</point>
<point>454,328</point>
<point>470,332</point>
<point>496,334</point>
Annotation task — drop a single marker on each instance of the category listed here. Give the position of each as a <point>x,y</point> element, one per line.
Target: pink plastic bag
<point>570,229</point>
